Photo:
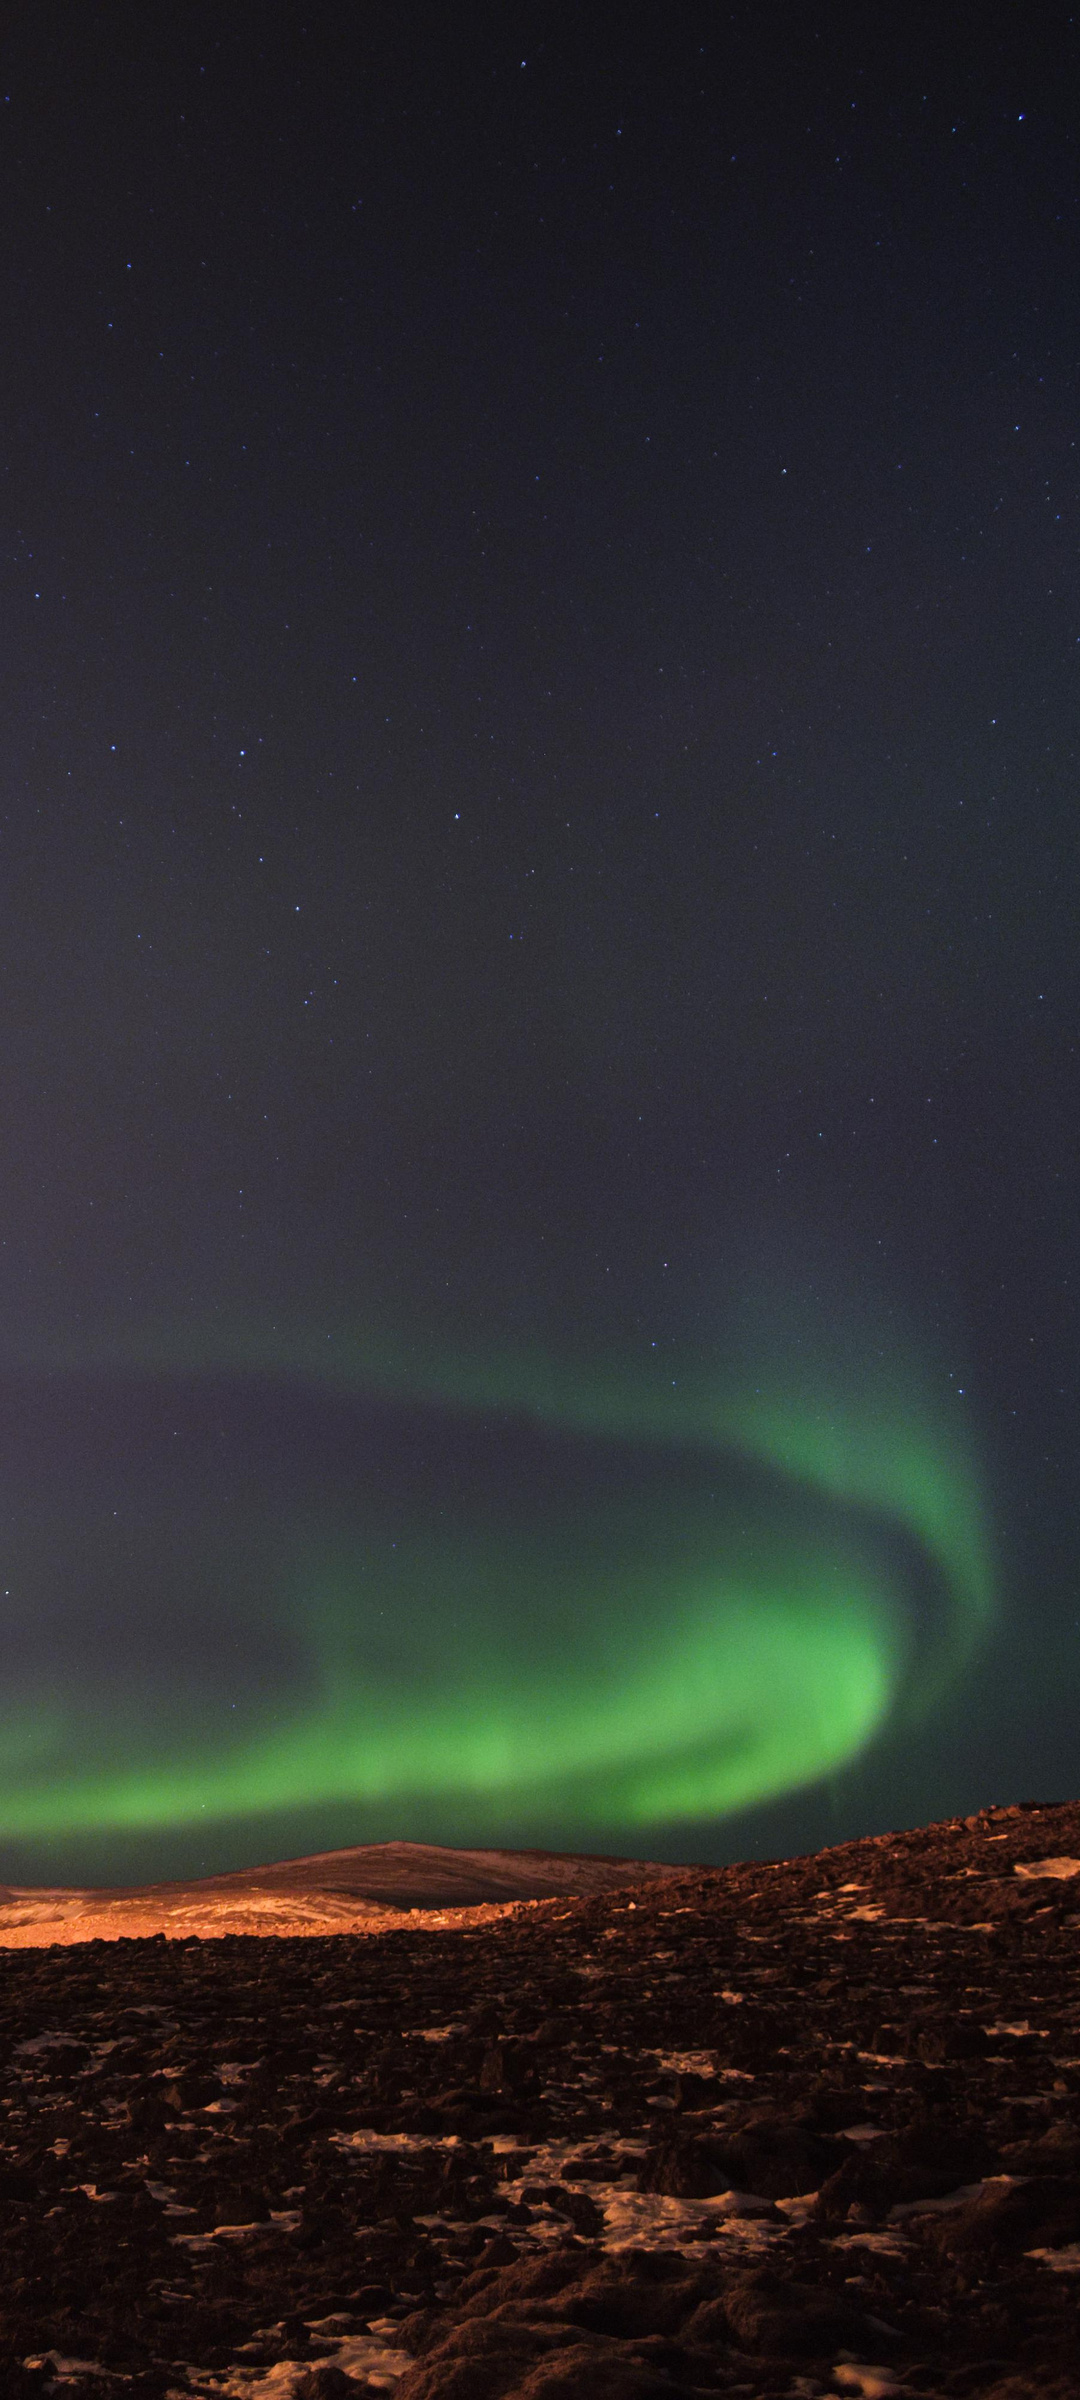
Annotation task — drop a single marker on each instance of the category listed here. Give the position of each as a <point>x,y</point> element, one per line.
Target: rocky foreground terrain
<point>796,2129</point>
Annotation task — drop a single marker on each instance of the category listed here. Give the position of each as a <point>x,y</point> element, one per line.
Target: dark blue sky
<point>538,718</point>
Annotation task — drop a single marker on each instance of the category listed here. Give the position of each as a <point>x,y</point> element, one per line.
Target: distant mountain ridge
<point>334,1891</point>
<point>423,1875</point>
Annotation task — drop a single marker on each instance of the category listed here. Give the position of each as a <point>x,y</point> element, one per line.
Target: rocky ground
<point>798,2129</point>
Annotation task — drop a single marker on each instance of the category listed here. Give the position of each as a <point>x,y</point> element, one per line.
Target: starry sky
<point>538,969</point>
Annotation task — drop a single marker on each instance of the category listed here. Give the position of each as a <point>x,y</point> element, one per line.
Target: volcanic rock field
<point>803,2128</point>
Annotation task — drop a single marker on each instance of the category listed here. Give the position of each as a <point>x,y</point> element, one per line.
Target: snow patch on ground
<point>358,2354</point>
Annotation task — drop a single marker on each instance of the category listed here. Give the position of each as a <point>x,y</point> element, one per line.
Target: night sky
<point>538,808</point>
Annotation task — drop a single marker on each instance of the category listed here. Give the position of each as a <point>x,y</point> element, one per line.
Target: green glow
<point>751,1697</point>
<point>747,1627</point>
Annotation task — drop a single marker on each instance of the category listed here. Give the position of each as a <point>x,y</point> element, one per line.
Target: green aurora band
<point>750,1577</point>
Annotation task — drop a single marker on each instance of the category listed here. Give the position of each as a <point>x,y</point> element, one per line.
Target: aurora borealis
<point>538,969</point>
<point>485,1609</point>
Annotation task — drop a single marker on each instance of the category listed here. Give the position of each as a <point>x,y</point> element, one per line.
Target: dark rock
<point>190,2090</point>
<point>581,2209</point>
<point>637,2293</point>
<point>498,2252</point>
<point>930,2158</point>
<point>1041,2214</point>
<point>492,2361</point>
<point>768,2314</point>
<point>938,2039</point>
<point>691,2091</point>
<point>748,2038</point>
<point>476,2361</point>
<point>578,2373</point>
<point>1030,2387</point>
<point>1055,2152</point>
<point>708,2326</point>
<point>507,2071</point>
<point>326,2383</point>
<point>776,2158</point>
